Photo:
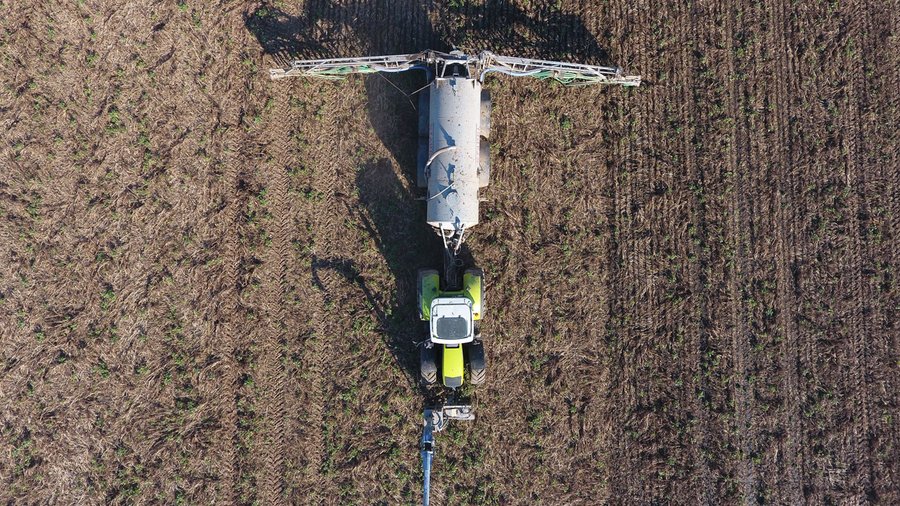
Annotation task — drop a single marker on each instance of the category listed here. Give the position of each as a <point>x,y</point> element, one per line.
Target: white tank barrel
<point>454,149</point>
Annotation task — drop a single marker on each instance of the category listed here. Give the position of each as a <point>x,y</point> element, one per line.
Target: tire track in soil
<point>666,218</point>
<point>324,183</point>
<point>641,261</point>
<point>234,139</point>
<point>738,165</point>
<point>809,276</point>
<point>613,281</point>
<point>614,278</point>
<point>890,174</point>
<point>230,305</point>
<point>272,371</point>
<point>786,250</point>
<point>323,228</point>
<point>699,312</point>
<point>881,198</point>
<point>299,409</point>
<point>860,457</point>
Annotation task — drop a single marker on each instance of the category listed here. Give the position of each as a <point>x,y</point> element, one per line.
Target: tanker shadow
<point>330,29</point>
<point>327,29</point>
<point>395,220</point>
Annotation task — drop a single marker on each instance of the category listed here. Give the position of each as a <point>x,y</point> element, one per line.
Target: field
<point>207,278</point>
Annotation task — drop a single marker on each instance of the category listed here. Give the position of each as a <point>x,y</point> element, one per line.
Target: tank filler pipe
<point>445,149</point>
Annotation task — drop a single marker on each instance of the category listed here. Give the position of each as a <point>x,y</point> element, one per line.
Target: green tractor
<point>452,317</point>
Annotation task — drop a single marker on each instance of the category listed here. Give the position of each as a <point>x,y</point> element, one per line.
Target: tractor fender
<point>428,288</point>
<point>473,286</point>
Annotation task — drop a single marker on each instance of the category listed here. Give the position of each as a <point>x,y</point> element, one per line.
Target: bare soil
<point>207,278</point>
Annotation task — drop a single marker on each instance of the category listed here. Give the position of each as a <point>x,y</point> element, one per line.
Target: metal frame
<point>338,68</point>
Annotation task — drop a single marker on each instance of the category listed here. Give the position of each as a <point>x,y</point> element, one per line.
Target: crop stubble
<point>691,285</point>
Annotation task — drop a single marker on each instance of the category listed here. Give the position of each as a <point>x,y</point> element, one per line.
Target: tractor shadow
<point>394,219</point>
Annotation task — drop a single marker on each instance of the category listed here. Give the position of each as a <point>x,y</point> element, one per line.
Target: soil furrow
<point>697,235</point>
<point>230,308</point>
<point>738,166</point>
<point>784,224</point>
<point>272,370</point>
<point>861,315</point>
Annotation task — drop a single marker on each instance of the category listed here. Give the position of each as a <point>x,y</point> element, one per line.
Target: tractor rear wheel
<point>476,363</point>
<point>427,364</point>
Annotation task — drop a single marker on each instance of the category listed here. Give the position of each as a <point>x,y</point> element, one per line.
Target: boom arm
<point>565,73</point>
<point>434,63</point>
<point>337,68</point>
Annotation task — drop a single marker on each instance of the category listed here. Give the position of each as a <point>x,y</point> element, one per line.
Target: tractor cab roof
<point>452,320</point>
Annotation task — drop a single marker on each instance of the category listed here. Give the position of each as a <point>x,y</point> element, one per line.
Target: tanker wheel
<point>484,163</point>
<point>424,106</point>
<point>485,119</point>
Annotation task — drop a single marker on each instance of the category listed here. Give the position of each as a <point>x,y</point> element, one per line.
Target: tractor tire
<point>485,124</point>
<point>476,363</point>
<point>424,110</point>
<point>427,364</point>
<point>476,376</point>
<point>484,163</point>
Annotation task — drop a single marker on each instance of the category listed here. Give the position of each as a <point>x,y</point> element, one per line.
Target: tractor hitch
<point>436,420</point>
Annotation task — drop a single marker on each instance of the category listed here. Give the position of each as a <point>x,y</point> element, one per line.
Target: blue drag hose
<point>427,446</point>
<point>426,469</point>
